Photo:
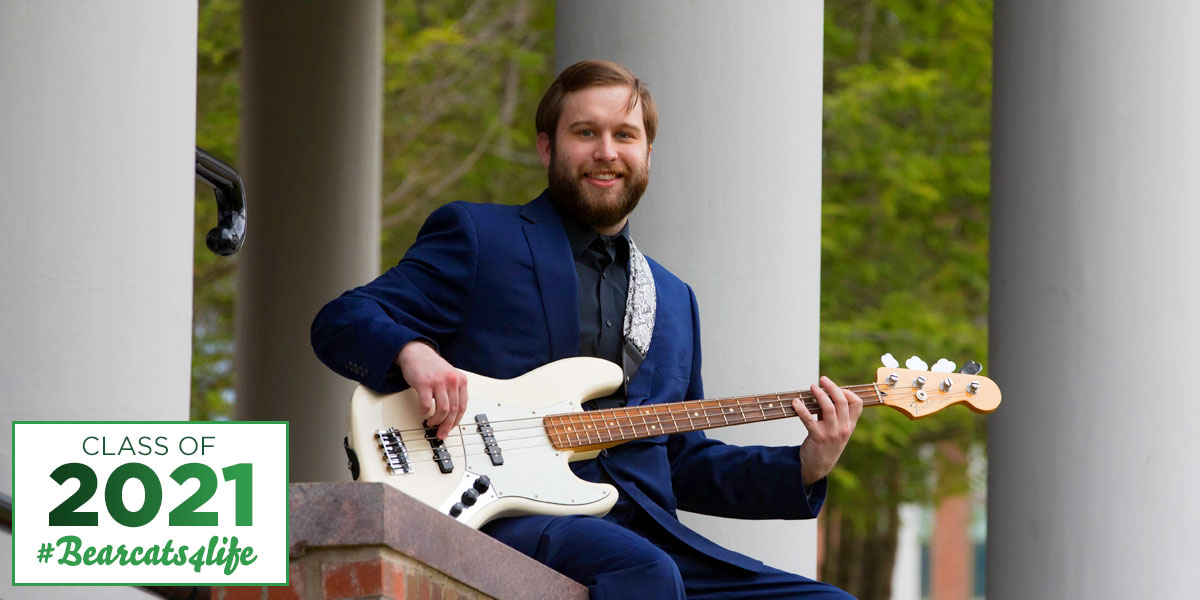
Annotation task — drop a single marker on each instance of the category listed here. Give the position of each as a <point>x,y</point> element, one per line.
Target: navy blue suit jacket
<point>494,288</point>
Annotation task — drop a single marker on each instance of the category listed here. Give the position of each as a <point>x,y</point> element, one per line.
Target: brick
<point>294,590</point>
<point>393,580</point>
<point>417,586</point>
<point>241,593</point>
<point>351,579</point>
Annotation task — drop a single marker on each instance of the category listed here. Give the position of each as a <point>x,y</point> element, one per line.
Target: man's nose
<point>606,149</point>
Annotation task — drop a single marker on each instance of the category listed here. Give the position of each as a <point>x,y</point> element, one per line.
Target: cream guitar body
<point>509,454</point>
<point>532,476</point>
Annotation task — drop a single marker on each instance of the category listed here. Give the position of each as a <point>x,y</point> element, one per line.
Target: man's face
<point>599,166</point>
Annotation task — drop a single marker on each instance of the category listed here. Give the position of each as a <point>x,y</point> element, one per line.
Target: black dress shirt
<point>602,267</point>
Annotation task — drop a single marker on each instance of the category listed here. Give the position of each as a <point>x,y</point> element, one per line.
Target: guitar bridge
<point>395,455</point>
<point>441,455</point>
<point>489,439</point>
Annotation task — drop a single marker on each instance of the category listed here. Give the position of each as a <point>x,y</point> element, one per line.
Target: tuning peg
<point>889,361</point>
<point>915,363</point>
<point>971,368</point>
<point>943,366</point>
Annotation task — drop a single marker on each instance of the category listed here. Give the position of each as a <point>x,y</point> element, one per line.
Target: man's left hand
<point>840,409</point>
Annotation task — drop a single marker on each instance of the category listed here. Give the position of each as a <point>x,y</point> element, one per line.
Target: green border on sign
<point>287,475</point>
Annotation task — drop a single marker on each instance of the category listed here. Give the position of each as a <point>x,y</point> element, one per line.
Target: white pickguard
<point>534,477</point>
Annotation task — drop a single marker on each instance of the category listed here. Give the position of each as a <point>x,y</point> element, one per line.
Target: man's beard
<point>589,205</point>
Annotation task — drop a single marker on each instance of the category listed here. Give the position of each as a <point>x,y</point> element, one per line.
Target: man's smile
<point>604,178</point>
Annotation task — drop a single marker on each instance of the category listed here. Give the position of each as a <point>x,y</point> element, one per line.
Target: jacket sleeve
<point>425,296</point>
<point>744,482</point>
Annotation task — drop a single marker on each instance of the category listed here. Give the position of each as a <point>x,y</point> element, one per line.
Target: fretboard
<point>595,429</point>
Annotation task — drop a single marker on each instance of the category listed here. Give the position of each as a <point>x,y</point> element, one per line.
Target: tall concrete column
<point>312,85</point>
<point>1093,456</point>
<point>97,164</point>
<point>734,203</point>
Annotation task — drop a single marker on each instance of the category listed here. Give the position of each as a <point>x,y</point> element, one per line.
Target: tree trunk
<point>860,545</point>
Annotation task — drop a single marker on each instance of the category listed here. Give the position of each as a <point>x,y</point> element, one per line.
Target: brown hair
<point>594,73</point>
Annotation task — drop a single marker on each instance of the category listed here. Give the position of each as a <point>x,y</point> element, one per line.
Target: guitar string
<point>779,412</point>
<point>674,410</point>
<point>507,449</point>
<point>801,394</point>
<point>466,450</point>
<point>674,419</point>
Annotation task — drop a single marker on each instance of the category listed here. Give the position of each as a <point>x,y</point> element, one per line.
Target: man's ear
<point>649,149</point>
<point>543,148</point>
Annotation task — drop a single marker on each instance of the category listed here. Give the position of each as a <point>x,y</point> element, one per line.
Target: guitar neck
<point>598,429</point>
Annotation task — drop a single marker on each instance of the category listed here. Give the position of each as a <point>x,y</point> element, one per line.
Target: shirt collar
<point>581,235</point>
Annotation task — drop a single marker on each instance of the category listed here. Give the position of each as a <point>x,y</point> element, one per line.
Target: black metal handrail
<point>6,513</point>
<point>227,237</point>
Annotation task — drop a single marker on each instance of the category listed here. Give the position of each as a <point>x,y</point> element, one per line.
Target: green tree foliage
<point>461,81</point>
<point>219,43</point>
<point>907,111</point>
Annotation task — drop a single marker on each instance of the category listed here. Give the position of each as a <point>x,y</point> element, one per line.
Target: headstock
<point>918,392</point>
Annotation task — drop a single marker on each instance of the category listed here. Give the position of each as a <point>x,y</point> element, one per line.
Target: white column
<point>312,94</point>
<point>1093,456</point>
<point>97,164</point>
<point>734,203</point>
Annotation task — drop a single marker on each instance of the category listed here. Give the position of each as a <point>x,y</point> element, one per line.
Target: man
<point>501,290</point>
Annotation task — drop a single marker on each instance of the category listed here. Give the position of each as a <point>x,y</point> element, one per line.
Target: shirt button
<point>608,322</point>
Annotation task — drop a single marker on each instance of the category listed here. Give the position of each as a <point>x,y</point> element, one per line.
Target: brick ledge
<point>349,514</point>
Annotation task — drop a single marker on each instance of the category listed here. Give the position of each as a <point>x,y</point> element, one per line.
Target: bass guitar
<point>509,455</point>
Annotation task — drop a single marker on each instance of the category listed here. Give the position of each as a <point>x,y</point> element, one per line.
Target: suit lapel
<point>555,269</point>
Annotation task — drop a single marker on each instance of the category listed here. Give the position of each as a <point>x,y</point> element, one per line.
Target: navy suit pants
<point>617,563</point>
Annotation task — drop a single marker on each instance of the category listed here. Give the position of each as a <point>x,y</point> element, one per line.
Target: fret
<point>777,404</point>
<point>600,420</point>
<point>676,411</point>
<point>621,416</point>
<point>591,426</point>
<point>573,431</point>
<point>584,426</point>
<point>611,425</point>
<point>657,426</point>
<point>742,410</point>
<point>694,411</point>
<point>670,425</point>
<point>630,415</point>
<point>645,426</point>
<point>574,427</point>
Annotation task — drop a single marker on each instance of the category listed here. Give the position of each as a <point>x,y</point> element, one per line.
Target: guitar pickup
<point>489,439</point>
<point>441,455</point>
<point>395,455</point>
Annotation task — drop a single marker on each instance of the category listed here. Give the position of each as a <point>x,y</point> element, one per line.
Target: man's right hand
<point>441,389</point>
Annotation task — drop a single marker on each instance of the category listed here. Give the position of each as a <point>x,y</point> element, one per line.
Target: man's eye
<point>623,135</point>
<point>587,133</point>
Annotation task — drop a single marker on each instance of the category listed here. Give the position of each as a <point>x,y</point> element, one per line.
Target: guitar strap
<point>640,307</point>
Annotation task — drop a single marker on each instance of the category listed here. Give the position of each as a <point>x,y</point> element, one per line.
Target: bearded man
<point>501,290</point>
